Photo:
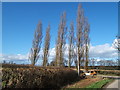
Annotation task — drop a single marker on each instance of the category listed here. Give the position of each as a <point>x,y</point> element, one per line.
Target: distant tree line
<point>78,42</point>
<point>94,62</point>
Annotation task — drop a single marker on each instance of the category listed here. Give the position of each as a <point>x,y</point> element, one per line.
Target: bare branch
<point>36,44</point>
<point>46,46</point>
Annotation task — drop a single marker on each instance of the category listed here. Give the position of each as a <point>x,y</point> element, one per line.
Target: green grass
<point>100,83</point>
<point>3,84</point>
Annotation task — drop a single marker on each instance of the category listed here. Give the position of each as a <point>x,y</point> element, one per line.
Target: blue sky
<point>20,21</point>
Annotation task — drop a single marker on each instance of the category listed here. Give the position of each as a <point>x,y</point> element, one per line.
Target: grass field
<point>100,84</point>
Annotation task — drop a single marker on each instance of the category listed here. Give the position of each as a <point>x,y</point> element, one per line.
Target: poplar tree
<point>79,34</point>
<point>36,44</point>
<point>86,43</point>
<point>46,46</point>
<point>60,44</point>
<point>71,44</point>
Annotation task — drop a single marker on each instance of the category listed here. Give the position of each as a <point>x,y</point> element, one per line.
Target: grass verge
<point>100,84</point>
<point>83,83</point>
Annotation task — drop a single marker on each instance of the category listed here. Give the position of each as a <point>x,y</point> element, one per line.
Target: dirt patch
<point>83,83</point>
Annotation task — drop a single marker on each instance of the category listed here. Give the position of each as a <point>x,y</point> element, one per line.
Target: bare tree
<point>79,41</point>
<point>86,43</point>
<point>46,46</point>
<point>36,44</point>
<point>71,44</point>
<point>116,45</point>
<point>60,45</point>
<point>57,54</point>
<point>100,62</point>
<point>92,62</point>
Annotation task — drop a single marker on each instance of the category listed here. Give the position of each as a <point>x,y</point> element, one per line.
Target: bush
<point>37,77</point>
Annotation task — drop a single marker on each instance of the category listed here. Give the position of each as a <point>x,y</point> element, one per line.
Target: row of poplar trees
<point>78,43</point>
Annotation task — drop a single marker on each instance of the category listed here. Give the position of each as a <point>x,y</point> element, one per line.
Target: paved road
<point>115,84</point>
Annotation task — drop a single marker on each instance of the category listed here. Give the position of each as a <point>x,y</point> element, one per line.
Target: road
<point>115,84</point>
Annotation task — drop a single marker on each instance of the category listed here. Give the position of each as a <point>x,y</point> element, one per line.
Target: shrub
<point>37,77</point>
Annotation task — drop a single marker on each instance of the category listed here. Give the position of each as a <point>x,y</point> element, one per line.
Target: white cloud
<point>52,52</point>
<point>14,57</point>
<point>98,51</point>
<point>103,51</point>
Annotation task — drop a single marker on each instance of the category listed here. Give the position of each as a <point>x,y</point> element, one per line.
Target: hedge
<point>37,77</point>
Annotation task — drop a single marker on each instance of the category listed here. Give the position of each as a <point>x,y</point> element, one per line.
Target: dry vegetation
<point>37,77</point>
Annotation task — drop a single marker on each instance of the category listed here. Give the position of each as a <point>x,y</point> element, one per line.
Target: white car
<point>90,72</point>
